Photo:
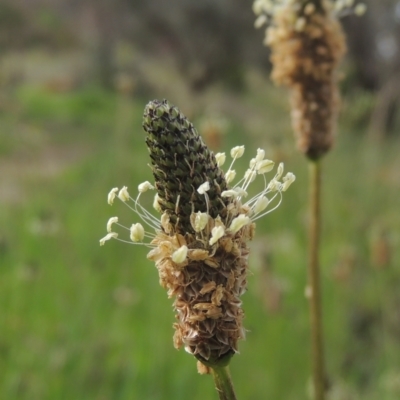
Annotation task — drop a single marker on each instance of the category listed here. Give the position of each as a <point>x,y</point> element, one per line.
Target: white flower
<point>220,157</point>
<point>230,175</point>
<point>261,204</point>
<point>237,152</point>
<point>288,179</point>
<point>137,232</point>
<point>165,222</point>
<point>123,194</point>
<point>156,203</point>
<point>200,221</point>
<point>240,191</point>
<point>216,233</point>
<point>274,185</point>
<point>229,193</point>
<point>111,235</point>
<point>256,207</point>
<point>235,192</point>
<point>179,256</point>
<point>205,187</point>
<point>264,166</point>
<point>239,222</point>
<point>250,175</point>
<point>260,154</point>
<point>111,196</point>
<point>111,221</point>
<point>280,171</point>
<point>145,186</point>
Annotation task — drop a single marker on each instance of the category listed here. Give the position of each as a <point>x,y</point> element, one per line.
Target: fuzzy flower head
<point>307,44</point>
<point>198,229</point>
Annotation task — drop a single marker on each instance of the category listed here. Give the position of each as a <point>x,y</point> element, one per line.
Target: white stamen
<point>179,256</point>
<point>237,152</point>
<point>200,221</point>
<point>264,166</point>
<point>261,204</point>
<point>220,157</point>
<point>274,185</point>
<point>279,172</point>
<point>156,203</point>
<point>250,175</point>
<point>229,193</point>
<point>145,186</point>
<point>137,232</point>
<point>111,196</point>
<point>288,179</point>
<point>240,192</point>
<point>216,233</point>
<point>203,188</point>
<point>239,222</point>
<point>123,194</point>
<point>111,235</point>
<point>230,175</point>
<point>111,221</point>
<point>165,222</point>
<point>260,154</point>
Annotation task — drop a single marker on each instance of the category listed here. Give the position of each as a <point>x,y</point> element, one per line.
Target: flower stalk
<point>314,281</point>
<point>223,382</point>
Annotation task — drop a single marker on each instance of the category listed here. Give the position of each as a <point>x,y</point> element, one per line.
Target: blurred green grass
<point>79,321</point>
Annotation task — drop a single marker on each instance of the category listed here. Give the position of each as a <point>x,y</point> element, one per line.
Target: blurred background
<point>82,322</point>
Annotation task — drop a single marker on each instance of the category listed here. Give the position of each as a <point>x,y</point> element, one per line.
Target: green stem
<point>314,292</point>
<point>223,383</point>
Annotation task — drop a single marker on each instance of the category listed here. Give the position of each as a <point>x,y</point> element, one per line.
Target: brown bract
<point>207,287</point>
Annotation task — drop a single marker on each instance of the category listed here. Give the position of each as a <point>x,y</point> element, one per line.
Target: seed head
<point>199,242</point>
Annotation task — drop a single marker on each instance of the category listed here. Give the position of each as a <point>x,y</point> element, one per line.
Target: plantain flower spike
<point>307,44</point>
<point>199,239</point>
